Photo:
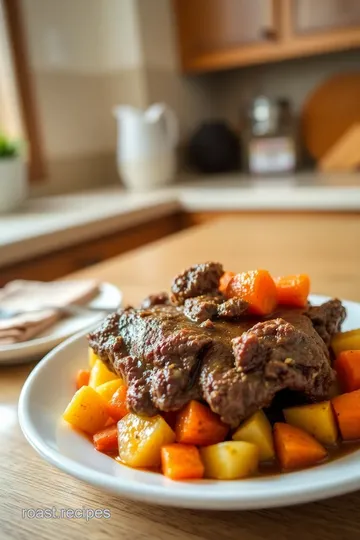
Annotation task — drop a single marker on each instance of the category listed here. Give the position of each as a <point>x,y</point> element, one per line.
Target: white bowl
<point>50,387</point>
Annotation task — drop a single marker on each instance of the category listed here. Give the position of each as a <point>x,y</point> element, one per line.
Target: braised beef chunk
<point>164,348</point>
<point>232,308</point>
<point>155,300</point>
<point>327,318</point>
<point>270,356</point>
<point>196,281</point>
<point>202,307</point>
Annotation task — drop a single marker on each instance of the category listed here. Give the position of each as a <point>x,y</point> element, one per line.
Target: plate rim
<point>161,494</point>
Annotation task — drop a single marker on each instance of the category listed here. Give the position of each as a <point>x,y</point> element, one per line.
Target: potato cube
<point>230,460</point>
<point>257,430</point>
<point>87,410</point>
<point>100,374</point>
<point>108,389</point>
<point>92,356</point>
<point>346,341</point>
<point>141,438</point>
<point>316,419</point>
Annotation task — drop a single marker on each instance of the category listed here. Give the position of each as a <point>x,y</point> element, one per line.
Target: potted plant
<point>13,177</point>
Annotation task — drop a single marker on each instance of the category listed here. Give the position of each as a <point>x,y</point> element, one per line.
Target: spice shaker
<point>269,138</point>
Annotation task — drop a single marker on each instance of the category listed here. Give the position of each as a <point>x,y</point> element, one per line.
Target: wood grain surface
<point>328,248</point>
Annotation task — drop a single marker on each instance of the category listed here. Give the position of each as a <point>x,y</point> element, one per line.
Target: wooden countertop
<point>328,248</point>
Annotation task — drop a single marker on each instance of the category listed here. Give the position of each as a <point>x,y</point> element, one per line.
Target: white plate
<point>49,388</point>
<point>109,296</point>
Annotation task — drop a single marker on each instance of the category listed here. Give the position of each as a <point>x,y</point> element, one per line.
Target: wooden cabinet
<point>310,16</point>
<point>210,26</point>
<point>221,34</point>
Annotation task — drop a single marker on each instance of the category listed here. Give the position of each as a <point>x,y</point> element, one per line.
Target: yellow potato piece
<point>141,438</point>
<point>317,419</point>
<point>230,460</point>
<point>92,356</point>
<point>100,374</point>
<point>257,430</point>
<point>87,410</point>
<point>108,389</point>
<point>346,341</point>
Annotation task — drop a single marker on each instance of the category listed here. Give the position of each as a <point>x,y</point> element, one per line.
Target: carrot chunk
<point>347,410</point>
<point>117,405</point>
<point>82,378</point>
<point>106,440</point>
<point>347,367</point>
<point>293,290</point>
<point>181,462</point>
<point>257,288</point>
<point>197,424</point>
<point>224,280</point>
<point>295,448</point>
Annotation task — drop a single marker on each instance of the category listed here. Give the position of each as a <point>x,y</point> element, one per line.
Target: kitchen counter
<point>65,220</point>
<point>316,244</point>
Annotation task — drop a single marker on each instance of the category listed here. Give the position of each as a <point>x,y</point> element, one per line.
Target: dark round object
<point>214,148</point>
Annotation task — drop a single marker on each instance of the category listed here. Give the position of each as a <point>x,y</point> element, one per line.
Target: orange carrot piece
<point>347,410</point>
<point>224,280</point>
<point>347,367</point>
<point>197,424</point>
<point>181,462</point>
<point>82,378</point>
<point>117,405</point>
<point>293,290</point>
<point>257,288</point>
<point>106,440</point>
<point>295,448</point>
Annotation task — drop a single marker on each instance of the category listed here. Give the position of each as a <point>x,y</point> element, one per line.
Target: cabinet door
<point>322,15</point>
<point>207,26</point>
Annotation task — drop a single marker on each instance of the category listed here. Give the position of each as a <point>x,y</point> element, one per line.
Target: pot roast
<point>201,345</point>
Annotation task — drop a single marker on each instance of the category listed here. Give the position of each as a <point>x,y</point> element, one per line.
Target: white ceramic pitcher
<point>146,145</point>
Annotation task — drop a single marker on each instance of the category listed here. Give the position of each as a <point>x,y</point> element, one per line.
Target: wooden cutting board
<point>329,112</point>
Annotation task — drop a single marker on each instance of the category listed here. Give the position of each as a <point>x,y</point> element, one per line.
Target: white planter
<point>13,183</point>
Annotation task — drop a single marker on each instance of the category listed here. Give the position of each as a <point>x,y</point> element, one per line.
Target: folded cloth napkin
<point>21,295</point>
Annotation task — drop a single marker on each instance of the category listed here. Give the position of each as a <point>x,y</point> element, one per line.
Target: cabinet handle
<point>269,34</point>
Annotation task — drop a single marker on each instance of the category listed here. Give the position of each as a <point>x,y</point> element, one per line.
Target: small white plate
<point>48,390</point>
<point>109,296</point>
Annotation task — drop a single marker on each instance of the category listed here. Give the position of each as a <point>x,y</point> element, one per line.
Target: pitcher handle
<point>160,110</point>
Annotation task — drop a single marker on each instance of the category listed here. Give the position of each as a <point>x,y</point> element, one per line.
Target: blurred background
<point>122,121</point>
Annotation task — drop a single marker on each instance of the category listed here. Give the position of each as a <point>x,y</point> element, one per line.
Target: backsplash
<point>126,53</point>
<point>294,79</point>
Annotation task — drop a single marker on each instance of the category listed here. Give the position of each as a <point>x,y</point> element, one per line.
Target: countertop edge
<point>26,249</point>
<point>209,197</point>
